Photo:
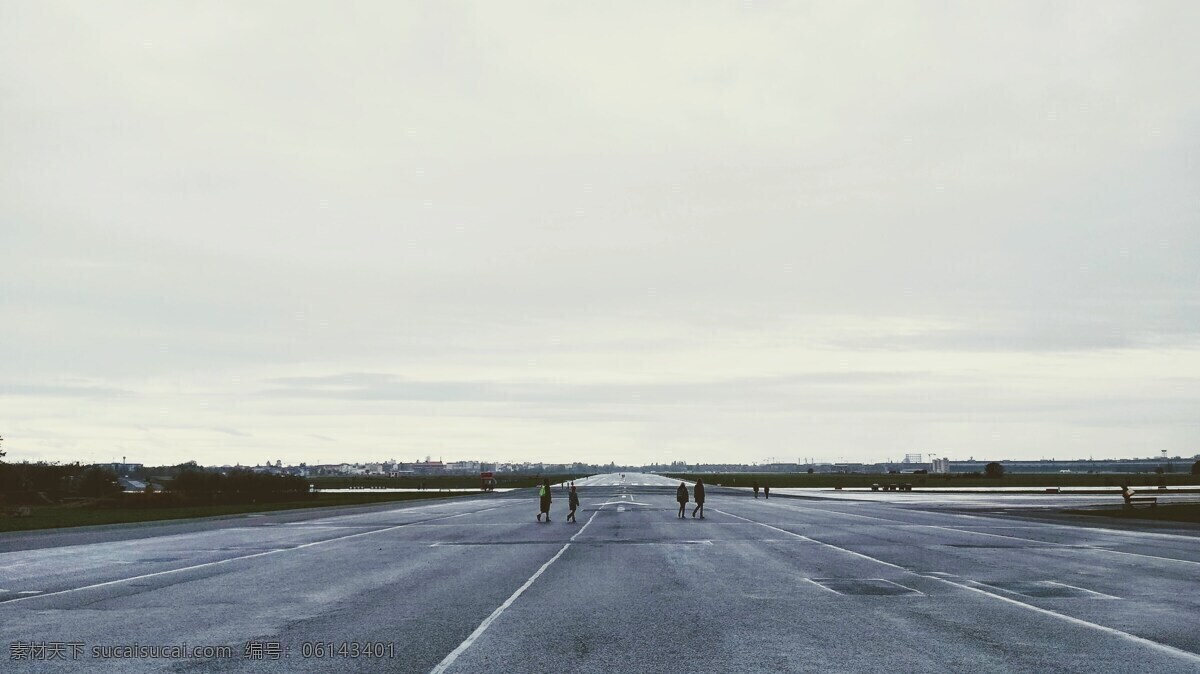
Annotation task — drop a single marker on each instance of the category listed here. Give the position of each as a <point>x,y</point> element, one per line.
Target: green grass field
<point>53,517</point>
<point>1033,480</point>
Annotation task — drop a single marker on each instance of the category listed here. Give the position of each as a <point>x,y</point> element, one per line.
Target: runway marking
<point>30,592</point>
<point>1083,589</point>
<point>1036,584</point>
<point>827,589</point>
<point>1083,546</point>
<point>1032,525</point>
<point>812,540</point>
<point>41,595</point>
<point>1163,648</point>
<point>1170,650</point>
<point>487,622</point>
<point>883,586</point>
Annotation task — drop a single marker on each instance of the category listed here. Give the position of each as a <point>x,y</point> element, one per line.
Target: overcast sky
<point>631,232</point>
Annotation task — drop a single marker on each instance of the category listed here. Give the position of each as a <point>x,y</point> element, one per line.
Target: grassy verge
<point>1033,480</point>
<point>1168,512</point>
<point>53,517</point>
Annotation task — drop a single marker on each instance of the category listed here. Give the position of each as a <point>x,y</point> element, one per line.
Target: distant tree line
<point>187,484</point>
<point>36,483</point>
<point>194,485</point>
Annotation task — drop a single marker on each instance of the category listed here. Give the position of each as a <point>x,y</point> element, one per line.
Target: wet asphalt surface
<point>471,584</point>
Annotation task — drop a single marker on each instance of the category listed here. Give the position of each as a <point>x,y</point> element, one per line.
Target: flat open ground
<point>887,583</point>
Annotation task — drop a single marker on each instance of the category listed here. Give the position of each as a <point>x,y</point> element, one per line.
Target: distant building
<point>122,469</point>
<point>131,485</point>
<point>429,467</point>
<point>1149,465</point>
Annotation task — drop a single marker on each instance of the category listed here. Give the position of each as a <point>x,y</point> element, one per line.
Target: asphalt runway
<point>476,584</point>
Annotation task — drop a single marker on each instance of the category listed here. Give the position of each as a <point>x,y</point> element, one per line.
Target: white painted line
<point>811,540</point>
<point>215,563</point>
<point>487,622</point>
<point>1139,554</point>
<point>1099,595</point>
<point>823,587</point>
<point>30,592</point>
<point>1084,546</point>
<point>1032,525</point>
<point>892,582</point>
<point>1162,648</point>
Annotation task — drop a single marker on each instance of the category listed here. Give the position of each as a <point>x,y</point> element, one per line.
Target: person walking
<point>572,503</point>
<point>681,495</point>
<point>544,498</point>
<point>698,492</point>
<point>756,489</point>
<point>766,491</point>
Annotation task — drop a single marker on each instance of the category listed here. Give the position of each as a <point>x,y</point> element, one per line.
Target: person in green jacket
<point>544,498</point>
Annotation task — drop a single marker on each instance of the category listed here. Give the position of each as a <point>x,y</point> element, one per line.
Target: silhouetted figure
<point>544,498</point>
<point>766,491</point>
<point>681,495</point>
<point>698,492</point>
<point>572,503</point>
<point>756,489</point>
<point>1127,494</point>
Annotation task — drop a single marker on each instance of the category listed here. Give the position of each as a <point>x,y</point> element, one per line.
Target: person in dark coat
<point>572,503</point>
<point>544,497</point>
<point>698,492</point>
<point>756,489</point>
<point>681,495</point>
<point>766,491</point>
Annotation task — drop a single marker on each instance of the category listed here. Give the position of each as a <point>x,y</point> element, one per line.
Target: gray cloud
<point>193,196</point>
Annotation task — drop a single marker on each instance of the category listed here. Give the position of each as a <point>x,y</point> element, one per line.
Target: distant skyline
<point>714,233</point>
